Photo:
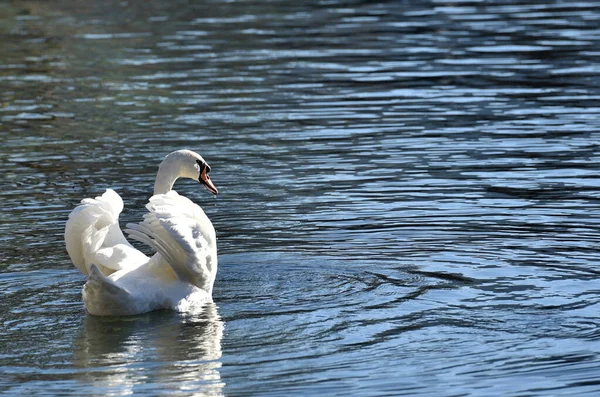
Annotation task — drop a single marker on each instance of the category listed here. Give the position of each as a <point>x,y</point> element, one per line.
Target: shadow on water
<point>181,352</point>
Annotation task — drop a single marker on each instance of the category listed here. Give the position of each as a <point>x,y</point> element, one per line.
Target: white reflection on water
<point>128,355</point>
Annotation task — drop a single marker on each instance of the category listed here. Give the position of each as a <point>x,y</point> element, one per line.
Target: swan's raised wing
<point>93,236</point>
<point>183,235</point>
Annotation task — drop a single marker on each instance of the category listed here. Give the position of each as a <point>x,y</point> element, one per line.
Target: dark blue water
<point>409,197</point>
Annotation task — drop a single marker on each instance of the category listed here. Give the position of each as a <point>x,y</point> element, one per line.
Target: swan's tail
<point>93,235</point>
<point>103,297</point>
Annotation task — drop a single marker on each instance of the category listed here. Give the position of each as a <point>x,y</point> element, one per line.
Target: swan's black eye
<point>203,166</point>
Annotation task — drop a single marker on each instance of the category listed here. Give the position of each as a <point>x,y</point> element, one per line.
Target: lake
<point>409,194</point>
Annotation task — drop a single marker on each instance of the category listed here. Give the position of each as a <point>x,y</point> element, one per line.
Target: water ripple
<point>408,193</point>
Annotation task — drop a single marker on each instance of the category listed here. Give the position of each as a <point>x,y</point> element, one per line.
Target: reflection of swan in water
<point>162,353</point>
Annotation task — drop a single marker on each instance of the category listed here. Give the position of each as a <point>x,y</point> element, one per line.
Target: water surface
<point>409,194</point>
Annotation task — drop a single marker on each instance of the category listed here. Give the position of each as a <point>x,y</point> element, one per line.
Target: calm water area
<point>409,194</point>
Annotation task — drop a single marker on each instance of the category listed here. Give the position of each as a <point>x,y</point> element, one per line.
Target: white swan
<point>124,281</point>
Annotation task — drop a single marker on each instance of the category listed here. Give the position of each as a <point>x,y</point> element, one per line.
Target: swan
<point>124,281</point>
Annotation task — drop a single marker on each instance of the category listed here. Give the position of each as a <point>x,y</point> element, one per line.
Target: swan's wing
<point>93,236</point>
<point>179,230</point>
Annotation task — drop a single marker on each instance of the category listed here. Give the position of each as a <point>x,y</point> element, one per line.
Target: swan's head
<point>203,177</point>
<point>188,164</point>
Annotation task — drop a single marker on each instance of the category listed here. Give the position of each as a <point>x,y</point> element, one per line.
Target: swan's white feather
<point>93,236</point>
<point>181,233</point>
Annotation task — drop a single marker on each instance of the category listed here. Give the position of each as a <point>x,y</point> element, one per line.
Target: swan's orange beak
<point>205,180</point>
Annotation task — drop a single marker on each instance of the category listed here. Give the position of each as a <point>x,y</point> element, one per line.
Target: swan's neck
<point>179,164</point>
<point>166,177</point>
